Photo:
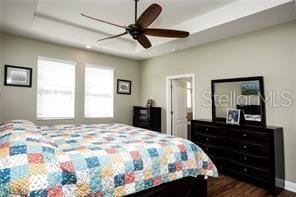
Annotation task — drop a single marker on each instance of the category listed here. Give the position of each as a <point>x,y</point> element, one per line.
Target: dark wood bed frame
<point>185,187</point>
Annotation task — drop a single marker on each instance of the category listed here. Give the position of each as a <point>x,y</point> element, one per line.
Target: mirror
<point>245,94</point>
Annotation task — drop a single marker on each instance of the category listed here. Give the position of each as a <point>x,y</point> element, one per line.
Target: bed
<point>98,160</point>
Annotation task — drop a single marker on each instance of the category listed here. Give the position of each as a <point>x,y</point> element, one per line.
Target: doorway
<point>180,104</point>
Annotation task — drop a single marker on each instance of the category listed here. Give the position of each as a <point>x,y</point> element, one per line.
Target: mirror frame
<point>243,79</point>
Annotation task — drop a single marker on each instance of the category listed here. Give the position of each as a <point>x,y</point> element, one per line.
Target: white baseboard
<point>290,186</point>
<point>280,183</point>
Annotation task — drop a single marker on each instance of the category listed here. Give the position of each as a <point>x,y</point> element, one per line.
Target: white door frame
<point>168,99</point>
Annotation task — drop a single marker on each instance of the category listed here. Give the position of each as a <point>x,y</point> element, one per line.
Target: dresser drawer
<point>249,152</point>
<point>206,129</point>
<point>250,135</point>
<point>218,161</point>
<point>251,160</point>
<point>259,173</point>
<point>211,150</point>
<point>249,148</point>
<point>208,139</point>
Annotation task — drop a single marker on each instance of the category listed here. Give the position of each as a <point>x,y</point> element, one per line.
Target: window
<point>55,89</point>
<point>99,86</point>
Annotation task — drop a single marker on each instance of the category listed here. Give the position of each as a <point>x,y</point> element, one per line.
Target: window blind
<point>55,89</point>
<point>99,85</point>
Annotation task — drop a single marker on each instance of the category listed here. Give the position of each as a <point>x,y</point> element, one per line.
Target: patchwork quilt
<point>92,160</point>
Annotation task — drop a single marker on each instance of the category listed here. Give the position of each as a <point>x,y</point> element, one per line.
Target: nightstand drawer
<point>144,125</point>
<point>139,118</point>
<point>147,117</point>
<point>140,111</point>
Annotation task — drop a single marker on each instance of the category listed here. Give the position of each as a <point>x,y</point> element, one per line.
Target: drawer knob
<point>245,170</point>
<point>245,158</point>
<point>207,129</point>
<point>245,135</point>
<point>245,147</point>
<point>207,139</point>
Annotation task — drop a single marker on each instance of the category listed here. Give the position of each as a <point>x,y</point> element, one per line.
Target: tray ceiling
<point>59,21</point>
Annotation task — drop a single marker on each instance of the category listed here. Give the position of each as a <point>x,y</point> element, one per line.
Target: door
<point>179,108</point>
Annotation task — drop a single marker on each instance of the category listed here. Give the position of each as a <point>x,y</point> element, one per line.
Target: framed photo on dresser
<point>233,116</point>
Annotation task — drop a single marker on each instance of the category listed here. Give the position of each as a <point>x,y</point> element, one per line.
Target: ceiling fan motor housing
<point>139,30</point>
<point>135,31</point>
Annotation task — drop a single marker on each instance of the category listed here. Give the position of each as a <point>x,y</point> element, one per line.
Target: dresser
<point>147,118</point>
<point>250,153</point>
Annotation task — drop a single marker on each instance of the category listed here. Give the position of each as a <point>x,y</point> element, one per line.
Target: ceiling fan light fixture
<point>139,30</point>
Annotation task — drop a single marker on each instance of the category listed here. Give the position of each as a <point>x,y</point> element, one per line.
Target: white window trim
<point>99,66</point>
<point>113,92</point>
<point>58,61</point>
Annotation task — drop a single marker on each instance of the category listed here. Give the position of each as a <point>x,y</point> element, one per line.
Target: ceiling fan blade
<point>149,15</point>
<point>166,33</point>
<point>115,36</point>
<point>143,40</point>
<point>103,21</point>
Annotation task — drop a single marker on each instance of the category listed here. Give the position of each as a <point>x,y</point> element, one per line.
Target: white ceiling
<point>59,21</point>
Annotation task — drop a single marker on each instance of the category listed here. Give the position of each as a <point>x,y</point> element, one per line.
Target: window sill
<point>43,119</point>
<point>99,117</point>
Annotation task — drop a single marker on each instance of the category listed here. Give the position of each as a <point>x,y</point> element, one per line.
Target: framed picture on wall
<point>17,76</point>
<point>124,87</point>
<point>250,88</point>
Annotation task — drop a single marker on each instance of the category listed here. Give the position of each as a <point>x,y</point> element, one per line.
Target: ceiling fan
<point>140,29</point>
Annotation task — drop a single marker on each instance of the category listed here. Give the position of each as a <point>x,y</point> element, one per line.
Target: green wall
<point>21,103</point>
<point>270,53</point>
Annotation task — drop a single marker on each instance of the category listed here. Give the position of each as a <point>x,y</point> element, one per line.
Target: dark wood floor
<point>226,186</point>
